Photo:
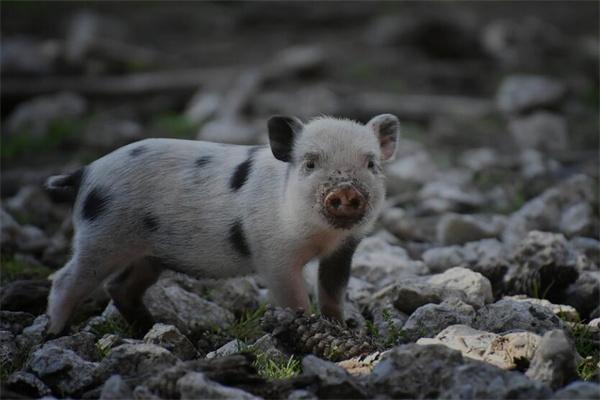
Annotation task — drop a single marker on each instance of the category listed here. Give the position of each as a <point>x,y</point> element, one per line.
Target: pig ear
<point>282,132</point>
<point>387,129</point>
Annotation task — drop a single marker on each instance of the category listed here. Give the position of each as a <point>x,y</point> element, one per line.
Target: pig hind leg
<point>74,283</point>
<point>127,290</point>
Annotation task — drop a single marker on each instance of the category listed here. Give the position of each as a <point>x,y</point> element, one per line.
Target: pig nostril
<point>355,203</point>
<point>336,202</point>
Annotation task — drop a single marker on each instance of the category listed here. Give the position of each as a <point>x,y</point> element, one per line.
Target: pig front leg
<point>286,285</point>
<point>334,273</point>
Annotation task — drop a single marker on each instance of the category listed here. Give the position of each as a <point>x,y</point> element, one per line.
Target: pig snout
<point>345,203</point>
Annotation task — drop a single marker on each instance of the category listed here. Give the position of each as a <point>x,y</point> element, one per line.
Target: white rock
<point>195,385</point>
<point>520,93</point>
<point>541,131</point>
<point>476,287</point>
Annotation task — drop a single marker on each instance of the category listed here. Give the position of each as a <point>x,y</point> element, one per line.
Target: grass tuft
<point>12,269</point>
<point>271,369</point>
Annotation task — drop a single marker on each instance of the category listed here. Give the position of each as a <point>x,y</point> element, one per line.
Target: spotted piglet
<point>215,210</point>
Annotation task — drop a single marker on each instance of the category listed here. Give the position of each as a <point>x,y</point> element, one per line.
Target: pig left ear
<point>282,132</point>
<point>387,129</point>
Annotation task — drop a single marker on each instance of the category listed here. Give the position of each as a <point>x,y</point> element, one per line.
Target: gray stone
<point>266,345</point>
<point>115,388</point>
<point>8,350</point>
<point>577,220</point>
<point>107,132</point>
<point>232,347</point>
<point>509,315</point>
<point>81,343</point>
<point>475,286</point>
<point>195,385</point>
<point>171,304</point>
<point>442,196</point>
<point>27,384</point>
<point>136,361</point>
<point>479,159</point>
<point>579,390</point>
<point>306,102</point>
<point>237,295</point>
<point>334,381</point>
<point>35,333</point>
<point>410,226</point>
<point>387,320</point>
<point>584,293</point>
<point>375,259</point>
<point>588,246</point>
<point>563,311</point>
<point>434,371</point>
<point>534,164</point>
<point>541,130</point>
<point>170,338</point>
<point>554,361</point>
<point>142,392</point>
<point>508,351</point>
<point>488,257</point>
<point>15,321</point>
<point>544,211</point>
<point>522,93</point>
<point>410,171</point>
<point>202,106</point>
<point>295,61</point>
<point>301,394</point>
<point>430,319</point>
<point>25,56</point>
<point>62,369</point>
<point>229,131</point>
<point>33,204</point>
<point>459,229</point>
<point>544,266</point>
<point>34,117</point>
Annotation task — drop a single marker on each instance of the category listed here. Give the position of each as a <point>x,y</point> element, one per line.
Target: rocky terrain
<point>482,277</point>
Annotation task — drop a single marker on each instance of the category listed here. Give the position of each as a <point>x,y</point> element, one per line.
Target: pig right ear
<point>282,132</point>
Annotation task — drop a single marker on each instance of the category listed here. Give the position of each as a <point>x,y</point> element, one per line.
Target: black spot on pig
<point>202,161</point>
<point>240,175</point>
<point>238,239</point>
<point>95,203</point>
<point>150,222</point>
<point>136,151</point>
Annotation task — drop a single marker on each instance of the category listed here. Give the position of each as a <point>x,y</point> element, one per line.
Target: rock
<point>8,351</point>
<point>195,385</point>
<point>267,345</point>
<point>544,266</point>
<point>33,204</point>
<point>537,165</point>
<point>142,392</point>
<point>334,381</point>
<point>115,388</point>
<point>509,315</point>
<point>439,372</point>
<point>509,351</point>
<point>430,319</point>
<point>237,295</point>
<point>24,56</point>
<point>109,341</point>
<point>202,107</point>
<point>359,290</point>
<point>106,132</point>
<point>522,93</point>
<point>301,394</point>
<point>296,61</point>
<point>579,390</point>
<point>584,293</point>
<point>170,338</point>
<point>362,365</point>
<point>409,227</point>
<point>541,130</point>
<point>27,384</point>
<point>554,360</point>
<point>588,246</point>
<point>171,304</point>
<point>136,361</point>
<point>82,343</point>
<point>577,220</point>
<point>31,239</point>
<point>229,131</point>
<point>476,287</point>
<point>388,321</point>
<point>565,312</point>
<point>544,212</point>
<point>14,321</point>
<point>34,117</point>
<point>442,196</point>
<point>375,259</point>
<point>28,296</point>
<point>459,229</point>
<point>62,369</point>
<point>488,257</point>
<point>35,333</point>
<point>479,159</point>
<point>306,102</point>
<point>410,171</point>
<point>229,348</point>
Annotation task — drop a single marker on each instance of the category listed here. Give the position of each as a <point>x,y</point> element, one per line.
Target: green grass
<point>12,269</point>
<point>174,126</point>
<point>247,327</point>
<point>271,369</point>
<point>115,326</point>
<point>589,348</point>
<point>394,335</point>
<point>60,132</point>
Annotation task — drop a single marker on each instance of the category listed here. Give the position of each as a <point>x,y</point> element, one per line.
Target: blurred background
<point>498,100</point>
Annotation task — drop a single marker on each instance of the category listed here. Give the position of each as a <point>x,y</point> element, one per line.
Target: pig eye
<point>310,164</point>
<point>370,164</point>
